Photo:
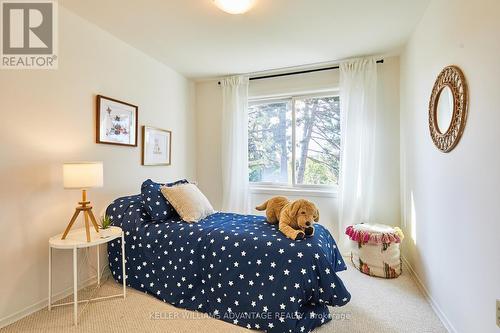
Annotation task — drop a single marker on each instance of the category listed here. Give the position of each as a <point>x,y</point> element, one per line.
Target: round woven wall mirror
<point>448,108</point>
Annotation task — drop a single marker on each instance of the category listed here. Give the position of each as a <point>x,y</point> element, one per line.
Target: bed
<point>237,268</point>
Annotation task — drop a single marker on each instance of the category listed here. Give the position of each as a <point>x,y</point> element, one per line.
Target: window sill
<point>293,191</point>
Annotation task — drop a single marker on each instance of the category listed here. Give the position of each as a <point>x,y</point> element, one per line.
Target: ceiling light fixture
<point>234,6</point>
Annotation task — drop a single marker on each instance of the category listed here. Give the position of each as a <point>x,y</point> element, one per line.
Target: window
<point>294,141</point>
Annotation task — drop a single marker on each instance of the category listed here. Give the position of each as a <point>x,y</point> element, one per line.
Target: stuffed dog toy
<point>296,218</point>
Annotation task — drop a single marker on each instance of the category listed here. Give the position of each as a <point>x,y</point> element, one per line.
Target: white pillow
<point>188,202</point>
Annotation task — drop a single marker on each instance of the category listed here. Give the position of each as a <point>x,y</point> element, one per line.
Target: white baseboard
<point>447,324</point>
<point>45,302</point>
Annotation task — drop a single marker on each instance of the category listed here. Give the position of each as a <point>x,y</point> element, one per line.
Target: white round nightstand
<point>77,239</point>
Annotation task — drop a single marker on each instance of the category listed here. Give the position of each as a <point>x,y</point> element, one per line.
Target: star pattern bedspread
<point>237,268</point>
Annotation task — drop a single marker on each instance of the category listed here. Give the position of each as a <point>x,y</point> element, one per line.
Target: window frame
<point>290,188</point>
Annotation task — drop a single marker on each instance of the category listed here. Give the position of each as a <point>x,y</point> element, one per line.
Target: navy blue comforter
<point>237,268</point>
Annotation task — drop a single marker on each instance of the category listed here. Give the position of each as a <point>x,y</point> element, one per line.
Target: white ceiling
<point>198,40</point>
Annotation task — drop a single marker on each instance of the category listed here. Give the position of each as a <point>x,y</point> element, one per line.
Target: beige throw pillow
<point>188,202</point>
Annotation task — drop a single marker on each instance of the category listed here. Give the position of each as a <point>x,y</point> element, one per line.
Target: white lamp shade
<point>83,174</point>
<point>234,6</point>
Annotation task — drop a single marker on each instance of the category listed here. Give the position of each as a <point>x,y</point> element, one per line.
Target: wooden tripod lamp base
<point>86,209</point>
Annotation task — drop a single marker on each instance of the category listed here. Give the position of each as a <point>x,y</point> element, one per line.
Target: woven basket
<point>375,249</point>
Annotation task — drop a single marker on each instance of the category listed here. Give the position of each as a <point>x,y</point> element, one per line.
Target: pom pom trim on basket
<point>374,237</point>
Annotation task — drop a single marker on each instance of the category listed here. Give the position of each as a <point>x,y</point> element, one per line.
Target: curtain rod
<point>299,72</point>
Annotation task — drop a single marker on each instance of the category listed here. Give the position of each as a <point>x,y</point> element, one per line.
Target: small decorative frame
<point>156,146</point>
<point>452,77</point>
<point>116,122</point>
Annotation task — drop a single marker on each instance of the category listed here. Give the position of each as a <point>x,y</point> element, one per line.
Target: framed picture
<point>156,146</point>
<point>116,122</point>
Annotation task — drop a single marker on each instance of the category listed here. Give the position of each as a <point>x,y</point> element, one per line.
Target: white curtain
<point>235,197</point>
<point>358,100</point>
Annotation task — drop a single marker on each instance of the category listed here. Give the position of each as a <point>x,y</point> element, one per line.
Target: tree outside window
<point>312,123</point>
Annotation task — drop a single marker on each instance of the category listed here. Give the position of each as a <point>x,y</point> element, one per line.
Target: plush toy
<point>296,218</point>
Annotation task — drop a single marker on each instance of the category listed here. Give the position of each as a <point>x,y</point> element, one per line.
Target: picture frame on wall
<point>116,122</point>
<point>156,146</point>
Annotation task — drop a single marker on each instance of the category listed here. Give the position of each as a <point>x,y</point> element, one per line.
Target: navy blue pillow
<point>155,203</point>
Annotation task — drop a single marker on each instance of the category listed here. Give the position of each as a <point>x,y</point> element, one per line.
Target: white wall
<point>208,106</point>
<point>47,118</point>
<point>450,201</point>
<point>208,113</point>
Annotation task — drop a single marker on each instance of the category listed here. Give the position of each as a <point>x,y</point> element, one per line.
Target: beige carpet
<point>377,305</point>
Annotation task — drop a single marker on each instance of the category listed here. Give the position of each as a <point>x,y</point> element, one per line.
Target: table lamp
<point>83,175</point>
